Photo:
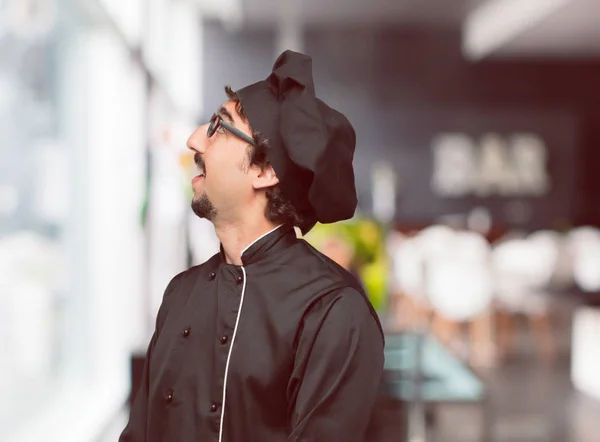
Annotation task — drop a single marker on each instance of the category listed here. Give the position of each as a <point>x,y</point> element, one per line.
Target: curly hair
<point>278,209</point>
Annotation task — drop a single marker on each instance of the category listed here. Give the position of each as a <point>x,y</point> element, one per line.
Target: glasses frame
<point>216,121</point>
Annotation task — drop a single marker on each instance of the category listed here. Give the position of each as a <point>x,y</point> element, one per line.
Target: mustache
<point>199,161</point>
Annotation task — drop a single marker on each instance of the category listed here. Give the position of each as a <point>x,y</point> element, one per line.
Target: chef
<point>269,340</point>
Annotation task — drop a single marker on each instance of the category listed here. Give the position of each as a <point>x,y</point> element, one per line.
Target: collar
<point>281,237</point>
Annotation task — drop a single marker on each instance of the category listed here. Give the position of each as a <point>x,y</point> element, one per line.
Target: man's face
<point>223,187</point>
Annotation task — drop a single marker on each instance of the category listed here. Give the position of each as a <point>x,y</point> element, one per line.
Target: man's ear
<point>265,178</point>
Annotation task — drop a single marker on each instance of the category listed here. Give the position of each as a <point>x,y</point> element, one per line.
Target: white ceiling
<point>573,30</point>
<point>420,12</point>
<point>491,28</point>
<point>534,28</point>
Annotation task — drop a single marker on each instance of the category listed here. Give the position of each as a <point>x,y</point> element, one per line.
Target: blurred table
<point>436,377</point>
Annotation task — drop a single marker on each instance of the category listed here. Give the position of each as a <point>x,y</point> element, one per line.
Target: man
<point>269,340</point>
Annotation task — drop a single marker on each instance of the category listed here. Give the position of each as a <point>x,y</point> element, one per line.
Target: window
<point>36,244</point>
<point>71,188</point>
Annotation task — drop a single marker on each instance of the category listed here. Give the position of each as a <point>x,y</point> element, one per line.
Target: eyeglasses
<point>216,121</point>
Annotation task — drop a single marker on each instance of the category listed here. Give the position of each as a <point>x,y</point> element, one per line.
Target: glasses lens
<point>212,127</point>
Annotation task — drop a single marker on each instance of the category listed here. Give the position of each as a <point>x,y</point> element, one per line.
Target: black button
<point>240,279</point>
<point>213,407</point>
<point>212,276</point>
<point>186,333</point>
<point>224,339</point>
<point>169,396</point>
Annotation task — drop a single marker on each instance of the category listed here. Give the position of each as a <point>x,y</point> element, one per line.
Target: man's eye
<point>221,129</point>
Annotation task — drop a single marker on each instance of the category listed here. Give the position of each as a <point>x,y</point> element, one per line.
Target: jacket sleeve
<point>135,431</point>
<point>337,371</point>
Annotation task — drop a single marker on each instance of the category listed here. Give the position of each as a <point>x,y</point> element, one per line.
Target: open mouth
<point>198,177</point>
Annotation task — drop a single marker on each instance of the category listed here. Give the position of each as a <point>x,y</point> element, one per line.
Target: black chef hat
<point>311,144</point>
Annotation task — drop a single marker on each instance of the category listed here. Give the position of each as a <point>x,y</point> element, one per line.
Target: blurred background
<point>476,237</point>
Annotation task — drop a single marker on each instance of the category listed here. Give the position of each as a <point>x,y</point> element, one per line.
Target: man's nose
<point>197,141</point>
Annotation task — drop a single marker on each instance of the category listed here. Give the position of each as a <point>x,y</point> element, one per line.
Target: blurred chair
<point>410,306</point>
<point>523,270</point>
<point>460,291</point>
<point>558,244</point>
<point>584,245</point>
<point>585,345</point>
<point>435,239</point>
<point>408,256</point>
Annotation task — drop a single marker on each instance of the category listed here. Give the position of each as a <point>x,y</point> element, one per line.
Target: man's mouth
<point>199,164</point>
<point>197,178</point>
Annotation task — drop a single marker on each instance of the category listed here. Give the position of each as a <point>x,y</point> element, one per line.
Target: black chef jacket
<point>285,347</point>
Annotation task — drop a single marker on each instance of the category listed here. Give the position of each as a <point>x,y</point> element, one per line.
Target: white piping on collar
<point>258,239</point>
<point>235,328</point>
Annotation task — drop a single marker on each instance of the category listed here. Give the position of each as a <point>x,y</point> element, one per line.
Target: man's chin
<point>203,208</point>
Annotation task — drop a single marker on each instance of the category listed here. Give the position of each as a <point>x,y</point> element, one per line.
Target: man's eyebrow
<point>225,113</point>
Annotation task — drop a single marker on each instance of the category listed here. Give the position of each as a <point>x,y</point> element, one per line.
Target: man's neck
<point>235,238</point>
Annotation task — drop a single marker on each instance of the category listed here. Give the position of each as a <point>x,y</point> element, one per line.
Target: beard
<point>203,207</point>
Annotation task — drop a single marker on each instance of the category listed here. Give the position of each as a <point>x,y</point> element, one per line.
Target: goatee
<point>204,208</point>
